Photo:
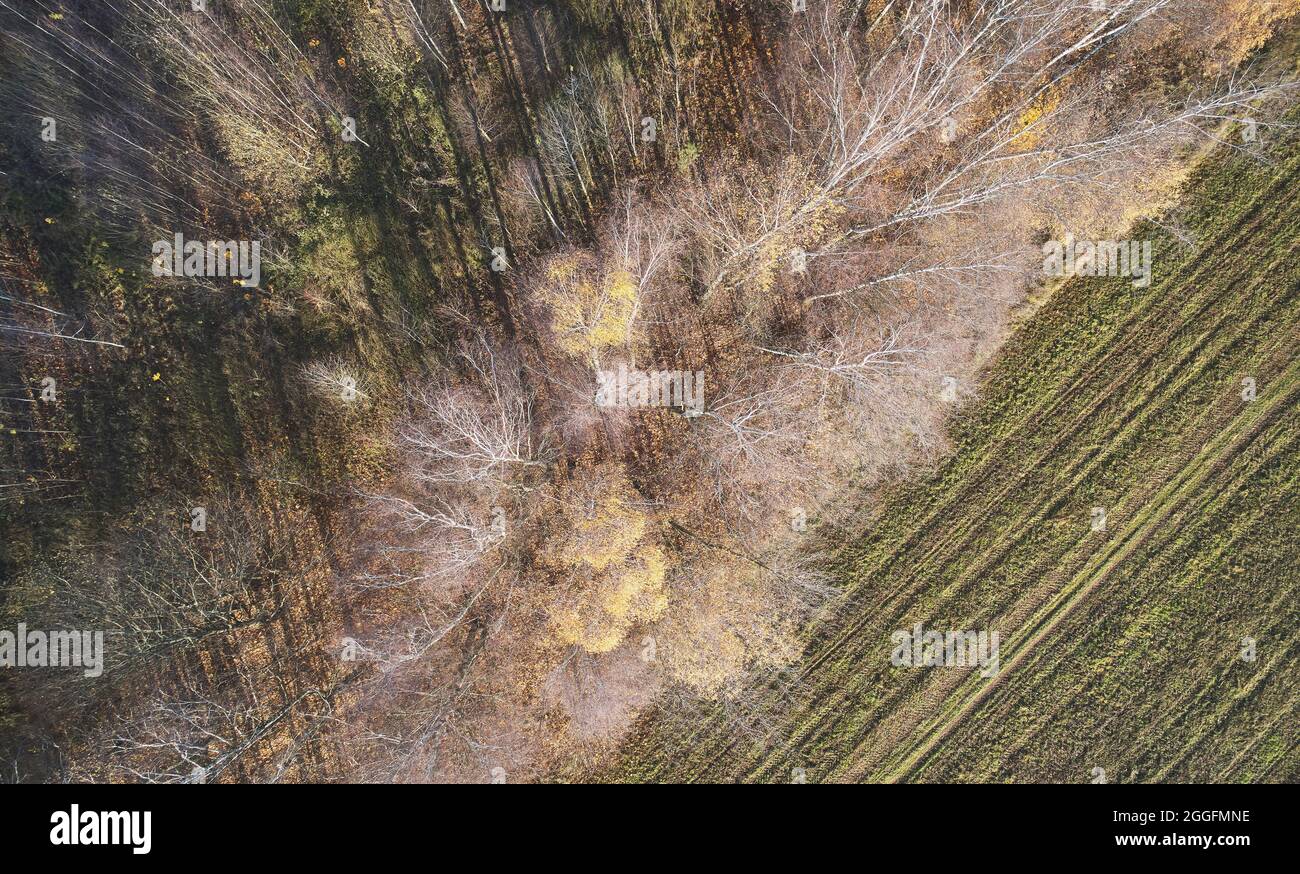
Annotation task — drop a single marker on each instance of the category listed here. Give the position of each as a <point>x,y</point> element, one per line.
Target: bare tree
<point>24,319</point>
<point>164,589</point>
<point>478,430</point>
<point>751,435</point>
<point>195,734</point>
<point>335,380</point>
<point>854,355</point>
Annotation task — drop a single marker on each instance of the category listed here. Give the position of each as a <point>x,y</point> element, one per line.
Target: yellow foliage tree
<point>727,618</point>
<point>612,566</point>
<point>591,309</point>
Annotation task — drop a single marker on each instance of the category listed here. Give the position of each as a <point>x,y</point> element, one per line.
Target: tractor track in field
<point>1218,505</point>
<point>958,682</point>
<point>1172,498</point>
<point>1076,473</point>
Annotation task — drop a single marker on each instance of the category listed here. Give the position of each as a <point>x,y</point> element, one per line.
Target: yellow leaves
<point>605,536</point>
<point>1235,28</point>
<point>156,377</point>
<point>637,594</point>
<point>613,570</point>
<point>572,629</point>
<point>1030,125</point>
<point>591,310</point>
<point>709,670</point>
<point>729,618</point>
<point>611,604</point>
<point>622,287</point>
<point>562,268</point>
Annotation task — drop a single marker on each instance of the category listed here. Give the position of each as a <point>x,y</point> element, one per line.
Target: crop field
<point>1158,648</point>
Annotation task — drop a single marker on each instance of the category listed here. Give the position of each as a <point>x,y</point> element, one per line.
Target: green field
<point>1120,649</point>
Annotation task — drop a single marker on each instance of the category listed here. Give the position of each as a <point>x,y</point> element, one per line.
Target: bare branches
<point>856,356</point>
<point>166,589</point>
<point>195,736</point>
<point>335,380</point>
<point>24,318</point>
<point>467,434</point>
<point>434,541</point>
